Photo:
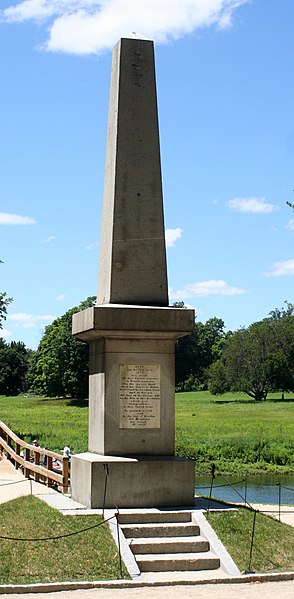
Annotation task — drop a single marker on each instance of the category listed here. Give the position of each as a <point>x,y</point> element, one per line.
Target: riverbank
<point>267,488</point>
<point>237,434</point>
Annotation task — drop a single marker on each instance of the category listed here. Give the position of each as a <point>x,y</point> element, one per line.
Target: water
<point>260,488</point>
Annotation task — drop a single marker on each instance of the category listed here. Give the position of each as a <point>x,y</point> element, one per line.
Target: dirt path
<point>256,590</point>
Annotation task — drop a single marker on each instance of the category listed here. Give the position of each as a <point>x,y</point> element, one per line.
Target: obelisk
<point>131,331</point>
<point>132,243</point>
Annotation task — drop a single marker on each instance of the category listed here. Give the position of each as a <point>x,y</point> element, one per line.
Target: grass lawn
<point>89,555</point>
<point>92,554</point>
<point>236,433</point>
<point>273,547</point>
<point>54,422</point>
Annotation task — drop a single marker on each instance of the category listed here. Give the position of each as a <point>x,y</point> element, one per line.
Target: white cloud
<point>171,236</point>
<point>5,333</point>
<point>61,297</point>
<point>290,224</point>
<point>91,26</point>
<point>29,321</point>
<point>282,269</point>
<point>206,289</point>
<point>15,219</point>
<point>49,239</point>
<point>254,205</point>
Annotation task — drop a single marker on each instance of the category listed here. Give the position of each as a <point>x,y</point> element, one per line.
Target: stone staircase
<point>167,541</point>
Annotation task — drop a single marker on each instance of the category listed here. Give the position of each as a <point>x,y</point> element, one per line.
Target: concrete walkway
<point>13,484</point>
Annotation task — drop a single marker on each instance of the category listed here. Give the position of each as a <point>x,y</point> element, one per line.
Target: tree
<point>13,367</point>
<point>195,354</point>
<point>60,365</point>
<point>4,302</point>
<point>258,359</point>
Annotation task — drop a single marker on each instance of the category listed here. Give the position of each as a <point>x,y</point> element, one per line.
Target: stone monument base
<point>132,482</point>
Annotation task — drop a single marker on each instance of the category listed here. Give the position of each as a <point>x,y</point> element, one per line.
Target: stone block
<point>145,481</point>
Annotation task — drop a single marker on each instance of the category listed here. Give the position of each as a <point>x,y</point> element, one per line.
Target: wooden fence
<point>35,461</point>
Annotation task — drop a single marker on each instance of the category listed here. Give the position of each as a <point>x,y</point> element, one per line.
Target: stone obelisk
<point>131,331</point>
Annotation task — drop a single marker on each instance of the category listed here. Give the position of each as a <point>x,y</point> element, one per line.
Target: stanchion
<point>252,541</point>
<point>279,487</point>
<point>245,490</point>
<point>211,485</point>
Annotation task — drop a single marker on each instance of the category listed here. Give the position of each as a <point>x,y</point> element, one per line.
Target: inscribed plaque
<point>139,396</point>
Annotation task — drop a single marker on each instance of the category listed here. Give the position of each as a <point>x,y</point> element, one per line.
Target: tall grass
<point>236,433</point>
<point>53,422</point>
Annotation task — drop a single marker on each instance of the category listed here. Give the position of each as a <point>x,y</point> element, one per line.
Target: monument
<point>131,331</point>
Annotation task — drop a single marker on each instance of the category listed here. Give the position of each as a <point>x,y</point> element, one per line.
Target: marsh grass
<point>236,433</point>
<point>89,555</point>
<point>273,547</point>
<point>54,422</point>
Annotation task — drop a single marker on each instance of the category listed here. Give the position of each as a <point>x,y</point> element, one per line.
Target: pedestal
<point>141,482</point>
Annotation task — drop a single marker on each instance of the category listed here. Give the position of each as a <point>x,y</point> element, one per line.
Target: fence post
<point>279,487</point>
<point>65,475</point>
<point>245,490</point>
<point>27,459</point>
<point>9,442</point>
<point>17,450</point>
<point>211,485</point>
<point>37,462</point>
<point>49,467</point>
<point>252,540</point>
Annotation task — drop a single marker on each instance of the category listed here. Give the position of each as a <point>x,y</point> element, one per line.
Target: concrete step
<point>177,562</point>
<point>153,516</point>
<point>168,529</point>
<point>169,545</point>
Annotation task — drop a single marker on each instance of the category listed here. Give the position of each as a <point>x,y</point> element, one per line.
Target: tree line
<point>255,360</point>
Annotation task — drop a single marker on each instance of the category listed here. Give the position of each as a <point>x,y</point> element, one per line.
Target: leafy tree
<point>4,302</point>
<point>195,354</point>
<point>258,359</point>
<point>60,365</point>
<point>13,367</point>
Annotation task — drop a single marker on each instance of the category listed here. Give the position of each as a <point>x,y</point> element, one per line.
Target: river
<point>256,489</point>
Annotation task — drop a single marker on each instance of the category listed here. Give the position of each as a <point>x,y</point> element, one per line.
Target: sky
<point>224,71</point>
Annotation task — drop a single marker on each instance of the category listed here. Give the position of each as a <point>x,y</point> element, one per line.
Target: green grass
<point>238,434</point>
<point>54,422</point>
<point>90,555</point>
<point>273,547</point>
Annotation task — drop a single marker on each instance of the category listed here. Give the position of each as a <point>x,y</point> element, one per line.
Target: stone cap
<point>121,321</point>
<point>89,456</point>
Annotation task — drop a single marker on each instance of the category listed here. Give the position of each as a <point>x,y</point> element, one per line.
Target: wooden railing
<point>32,460</point>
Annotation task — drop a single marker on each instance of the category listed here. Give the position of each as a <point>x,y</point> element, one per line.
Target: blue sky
<point>226,112</point>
